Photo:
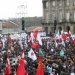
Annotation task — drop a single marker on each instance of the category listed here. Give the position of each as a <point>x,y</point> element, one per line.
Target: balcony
<point>64,21</point>
<point>44,22</point>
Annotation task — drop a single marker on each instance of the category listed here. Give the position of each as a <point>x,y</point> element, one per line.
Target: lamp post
<point>47,27</point>
<point>54,27</point>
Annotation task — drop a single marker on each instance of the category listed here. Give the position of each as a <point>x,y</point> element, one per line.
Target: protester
<point>57,59</point>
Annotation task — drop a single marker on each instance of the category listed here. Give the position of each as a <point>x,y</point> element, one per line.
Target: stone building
<point>0,26</point>
<point>60,13</point>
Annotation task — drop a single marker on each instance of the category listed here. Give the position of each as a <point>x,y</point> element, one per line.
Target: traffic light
<point>23,24</point>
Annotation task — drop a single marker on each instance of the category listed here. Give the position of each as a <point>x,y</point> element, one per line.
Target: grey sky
<point>10,8</point>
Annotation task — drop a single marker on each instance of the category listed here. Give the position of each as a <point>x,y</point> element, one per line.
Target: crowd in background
<point>54,62</point>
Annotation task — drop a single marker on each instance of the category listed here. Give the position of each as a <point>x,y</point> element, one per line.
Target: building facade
<point>59,13</point>
<point>0,26</point>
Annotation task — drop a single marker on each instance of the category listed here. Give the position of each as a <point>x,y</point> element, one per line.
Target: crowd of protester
<point>53,62</point>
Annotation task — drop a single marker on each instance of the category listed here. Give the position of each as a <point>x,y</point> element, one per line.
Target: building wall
<point>49,8</point>
<point>0,26</point>
<point>11,30</point>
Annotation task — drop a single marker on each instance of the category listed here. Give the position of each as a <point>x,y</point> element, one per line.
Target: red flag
<point>35,40</point>
<point>40,70</point>
<point>34,45</point>
<point>35,33</point>
<point>37,37</point>
<point>26,72</point>
<point>74,41</point>
<point>68,34</point>
<point>21,69</point>
<point>63,36</point>
<point>7,70</point>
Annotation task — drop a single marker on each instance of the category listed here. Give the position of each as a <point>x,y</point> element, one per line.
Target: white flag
<point>39,39</point>
<point>32,55</point>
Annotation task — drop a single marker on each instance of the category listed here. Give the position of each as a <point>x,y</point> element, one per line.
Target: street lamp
<point>46,28</point>
<point>54,27</point>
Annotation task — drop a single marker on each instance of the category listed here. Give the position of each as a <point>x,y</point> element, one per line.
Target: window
<point>74,2</point>
<point>47,16</point>
<point>53,3</point>
<point>67,16</point>
<point>46,4</point>
<point>74,15</point>
<point>67,2</point>
<point>60,16</point>
<point>53,17</point>
<point>60,2</point>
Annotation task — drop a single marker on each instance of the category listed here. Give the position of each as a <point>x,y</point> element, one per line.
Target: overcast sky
<point>12,8</point>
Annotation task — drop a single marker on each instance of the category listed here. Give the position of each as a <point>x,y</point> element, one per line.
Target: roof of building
<point>10,24</point>
<point>33,28</point>
<point>29,21</point>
